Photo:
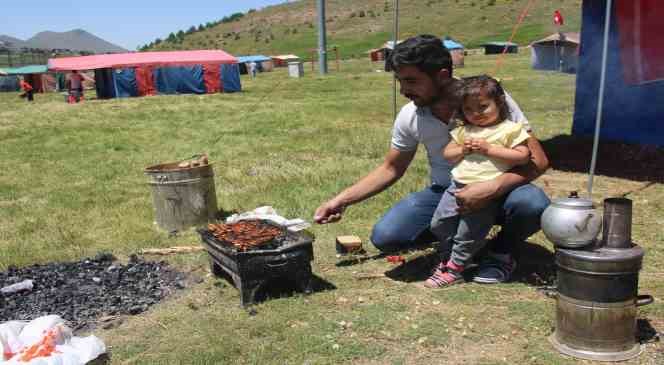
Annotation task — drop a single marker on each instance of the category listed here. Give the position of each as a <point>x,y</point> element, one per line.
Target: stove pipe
<point>617,223</point>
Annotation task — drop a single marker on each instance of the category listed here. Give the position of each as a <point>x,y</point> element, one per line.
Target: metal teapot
<point>571,222</point>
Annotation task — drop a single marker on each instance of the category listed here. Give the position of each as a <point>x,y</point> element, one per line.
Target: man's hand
<point>475,196</point>
<point>330,212</point>
<point>480,146</point>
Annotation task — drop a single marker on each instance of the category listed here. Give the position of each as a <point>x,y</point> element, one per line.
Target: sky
<point>127,23</point>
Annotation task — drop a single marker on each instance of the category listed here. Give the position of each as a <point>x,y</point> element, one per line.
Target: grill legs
<point>302,278</point>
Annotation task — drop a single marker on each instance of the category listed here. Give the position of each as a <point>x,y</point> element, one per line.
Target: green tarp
<point>32,69</point>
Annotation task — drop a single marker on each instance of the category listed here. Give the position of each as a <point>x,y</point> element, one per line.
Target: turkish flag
<point>558,18</point>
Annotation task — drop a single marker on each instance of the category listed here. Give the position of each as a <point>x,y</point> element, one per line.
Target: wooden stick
<point>171,250</point>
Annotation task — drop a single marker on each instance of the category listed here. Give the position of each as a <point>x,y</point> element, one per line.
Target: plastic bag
<point>270,214</point>
<point>46,341</point>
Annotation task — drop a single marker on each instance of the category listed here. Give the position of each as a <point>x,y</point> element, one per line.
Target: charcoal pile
<point>85,290</point>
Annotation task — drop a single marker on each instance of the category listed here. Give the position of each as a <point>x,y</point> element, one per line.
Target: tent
<point>263,63</point>
<point>500,47</point>
<point>149,73</point>
<point>456,50</point>
<point>557,52</point>
<point>9,83</point>
<point>35,75</point>
<point>283,60</point>
<point>633,110</point>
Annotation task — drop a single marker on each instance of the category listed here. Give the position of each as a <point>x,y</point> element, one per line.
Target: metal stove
<point>287,257</point>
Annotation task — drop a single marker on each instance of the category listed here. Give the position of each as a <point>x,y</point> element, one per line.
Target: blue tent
<point>122,83</point>
<point>9,83</point>
<point>254,58</point>
<point>631,112</point>
<point>179,80</point>
<point>259,59</point>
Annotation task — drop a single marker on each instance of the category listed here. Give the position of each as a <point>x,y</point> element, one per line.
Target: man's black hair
<point>425,51</point>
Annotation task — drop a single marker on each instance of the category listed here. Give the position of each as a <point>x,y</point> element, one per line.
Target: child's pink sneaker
<point>445,275</point>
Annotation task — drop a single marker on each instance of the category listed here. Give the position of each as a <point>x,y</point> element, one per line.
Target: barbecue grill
<point>286,257</point>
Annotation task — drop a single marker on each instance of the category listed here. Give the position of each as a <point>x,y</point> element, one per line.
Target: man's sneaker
<point>495,270</point>
<point>445,275</point>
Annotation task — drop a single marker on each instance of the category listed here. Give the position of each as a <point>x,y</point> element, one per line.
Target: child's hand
<point>480,145</point>
<point>467,147</point>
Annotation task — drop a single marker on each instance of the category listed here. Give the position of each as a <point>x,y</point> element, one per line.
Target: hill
<point>11,42</point>
<point>357,26</point>
<point>75,40</point>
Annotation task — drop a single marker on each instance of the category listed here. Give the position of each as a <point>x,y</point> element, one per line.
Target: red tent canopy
<point>137,59</point>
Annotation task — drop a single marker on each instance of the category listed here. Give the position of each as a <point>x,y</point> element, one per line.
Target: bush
<point>361,14</point>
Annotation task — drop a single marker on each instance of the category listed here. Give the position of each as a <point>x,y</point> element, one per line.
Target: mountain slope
<point>76,40</point>
<point>11,42</point>
<point>356,26</point>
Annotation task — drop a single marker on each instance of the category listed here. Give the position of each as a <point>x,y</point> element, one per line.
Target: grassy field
<point>73,185</point>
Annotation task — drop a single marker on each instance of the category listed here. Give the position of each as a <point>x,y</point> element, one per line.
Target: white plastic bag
<point>46,341</point>
<point>270,214</point>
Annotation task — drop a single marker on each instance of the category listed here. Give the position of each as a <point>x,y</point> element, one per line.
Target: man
<point>76,86</point>
<point>423,67</point>
<point>253,68</point>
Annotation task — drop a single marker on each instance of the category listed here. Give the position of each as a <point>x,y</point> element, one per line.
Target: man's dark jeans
<point>406,224</point>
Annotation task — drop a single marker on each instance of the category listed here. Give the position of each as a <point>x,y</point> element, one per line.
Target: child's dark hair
<point>475,86</point>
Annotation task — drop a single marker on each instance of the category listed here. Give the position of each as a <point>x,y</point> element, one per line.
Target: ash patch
<point>85,290</point>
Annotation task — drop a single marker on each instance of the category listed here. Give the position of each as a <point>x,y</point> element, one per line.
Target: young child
<point>482,147</point>
<point>28,92</point>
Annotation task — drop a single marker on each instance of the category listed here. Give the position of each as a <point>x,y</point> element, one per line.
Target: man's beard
<point>421,102</point>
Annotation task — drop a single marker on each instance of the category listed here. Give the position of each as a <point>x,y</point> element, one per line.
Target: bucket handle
<point>644,299</point>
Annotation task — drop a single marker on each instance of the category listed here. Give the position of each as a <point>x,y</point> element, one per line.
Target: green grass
<point>73,185</point>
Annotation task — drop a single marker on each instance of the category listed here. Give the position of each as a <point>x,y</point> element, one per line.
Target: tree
<point>191,29</point>
<point>201,27</point>
<point>180,34</point>
<point>171,37</point>
<point>157,41</point>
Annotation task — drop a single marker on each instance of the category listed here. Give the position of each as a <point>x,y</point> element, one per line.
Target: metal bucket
<point>597,303</point>
<point>182,197</point>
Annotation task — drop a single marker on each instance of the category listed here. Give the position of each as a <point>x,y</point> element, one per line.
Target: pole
<point>600,101</point>
<point>313,58</point>
<point>322,41</point>
<point>336,57</point>
<point>395,36</point>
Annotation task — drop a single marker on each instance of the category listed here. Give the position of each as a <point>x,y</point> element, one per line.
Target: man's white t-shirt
<point>415,125</point>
